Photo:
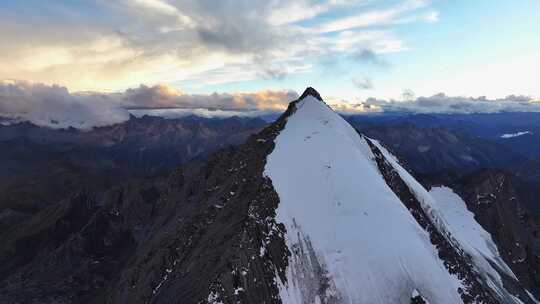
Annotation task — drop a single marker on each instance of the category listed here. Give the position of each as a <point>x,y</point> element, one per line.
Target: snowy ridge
<point>466,230</point>
<point>470,235</point>
<point>448,211</point>
<point>351,238</point>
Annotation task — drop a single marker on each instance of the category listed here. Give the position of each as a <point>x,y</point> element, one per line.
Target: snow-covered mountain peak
<point>336,204</point>
<point>309,91</point>
<point>360,229</point>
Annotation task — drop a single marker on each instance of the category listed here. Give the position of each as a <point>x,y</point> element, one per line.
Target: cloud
<point>162,96</point>
<point>440,103</point>
<point>293,11</point>
<point>188,43</point>
<point>392,15</point>
<point>165,8</point>
<point>370,57</point>
<point>431,17</point>
<point>56,107</point>
<point>378,41</point>
<point>363,84</point>
<point>274,73</point>
<point>347,108</point>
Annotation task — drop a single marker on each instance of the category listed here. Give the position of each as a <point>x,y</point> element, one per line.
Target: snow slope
<point>471,236</point>
<point>465,228</point>
<point>334,200</point>
<point>448,211</point>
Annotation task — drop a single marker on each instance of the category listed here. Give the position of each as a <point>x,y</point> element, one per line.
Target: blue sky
<point>348,50</point>
<point>444,56</point>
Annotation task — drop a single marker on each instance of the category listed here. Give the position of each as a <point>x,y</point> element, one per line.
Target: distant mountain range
<point>42,166</point>
<point>307,209</point>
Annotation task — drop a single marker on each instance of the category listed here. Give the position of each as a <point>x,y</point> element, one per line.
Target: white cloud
<point>291,12</point>
<point>56,107</point>
<point>160,6</point>
<point>431,16</point>
<point>377,41</point>
<point>364,83</point>
<point>440,103</point>
<point>372,18</point>
<point>192,43</point>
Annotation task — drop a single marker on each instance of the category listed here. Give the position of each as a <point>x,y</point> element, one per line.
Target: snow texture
<point>369,247</point>
<point>466,230</point>
<point>449,213</point>
<point>470,235</point>
<point>213,298</point>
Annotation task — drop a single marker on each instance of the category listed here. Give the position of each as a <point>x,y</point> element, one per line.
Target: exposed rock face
<point>435,150</point>
<point>529,170</point>
<point>311,92</point>
<point>501,210</point>
<point>454,260</point>
<point>192,237</point>
<point>209,250</point>
<point>41,166</point>
<point>506,205</point>
<point>310,273</point>
<point>67,253</point>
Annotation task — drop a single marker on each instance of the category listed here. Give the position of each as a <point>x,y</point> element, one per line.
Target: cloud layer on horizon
<point>441,103</point>
<point>163,96</point>
<point>56,107</point>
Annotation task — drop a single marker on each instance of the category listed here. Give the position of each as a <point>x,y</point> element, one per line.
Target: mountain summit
<point>309,91</point>
<point>307,211</point>
<point>357,221</point>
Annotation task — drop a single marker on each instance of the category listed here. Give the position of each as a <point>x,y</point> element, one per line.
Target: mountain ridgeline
<point>41,166</point>
<point>307,210</point>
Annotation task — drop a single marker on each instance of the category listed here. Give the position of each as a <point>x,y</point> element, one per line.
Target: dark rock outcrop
<point>42,166</point>
<point>189,237</point>
<point>437,150</point>
<point>455,261</point>
<point>501,207</point>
